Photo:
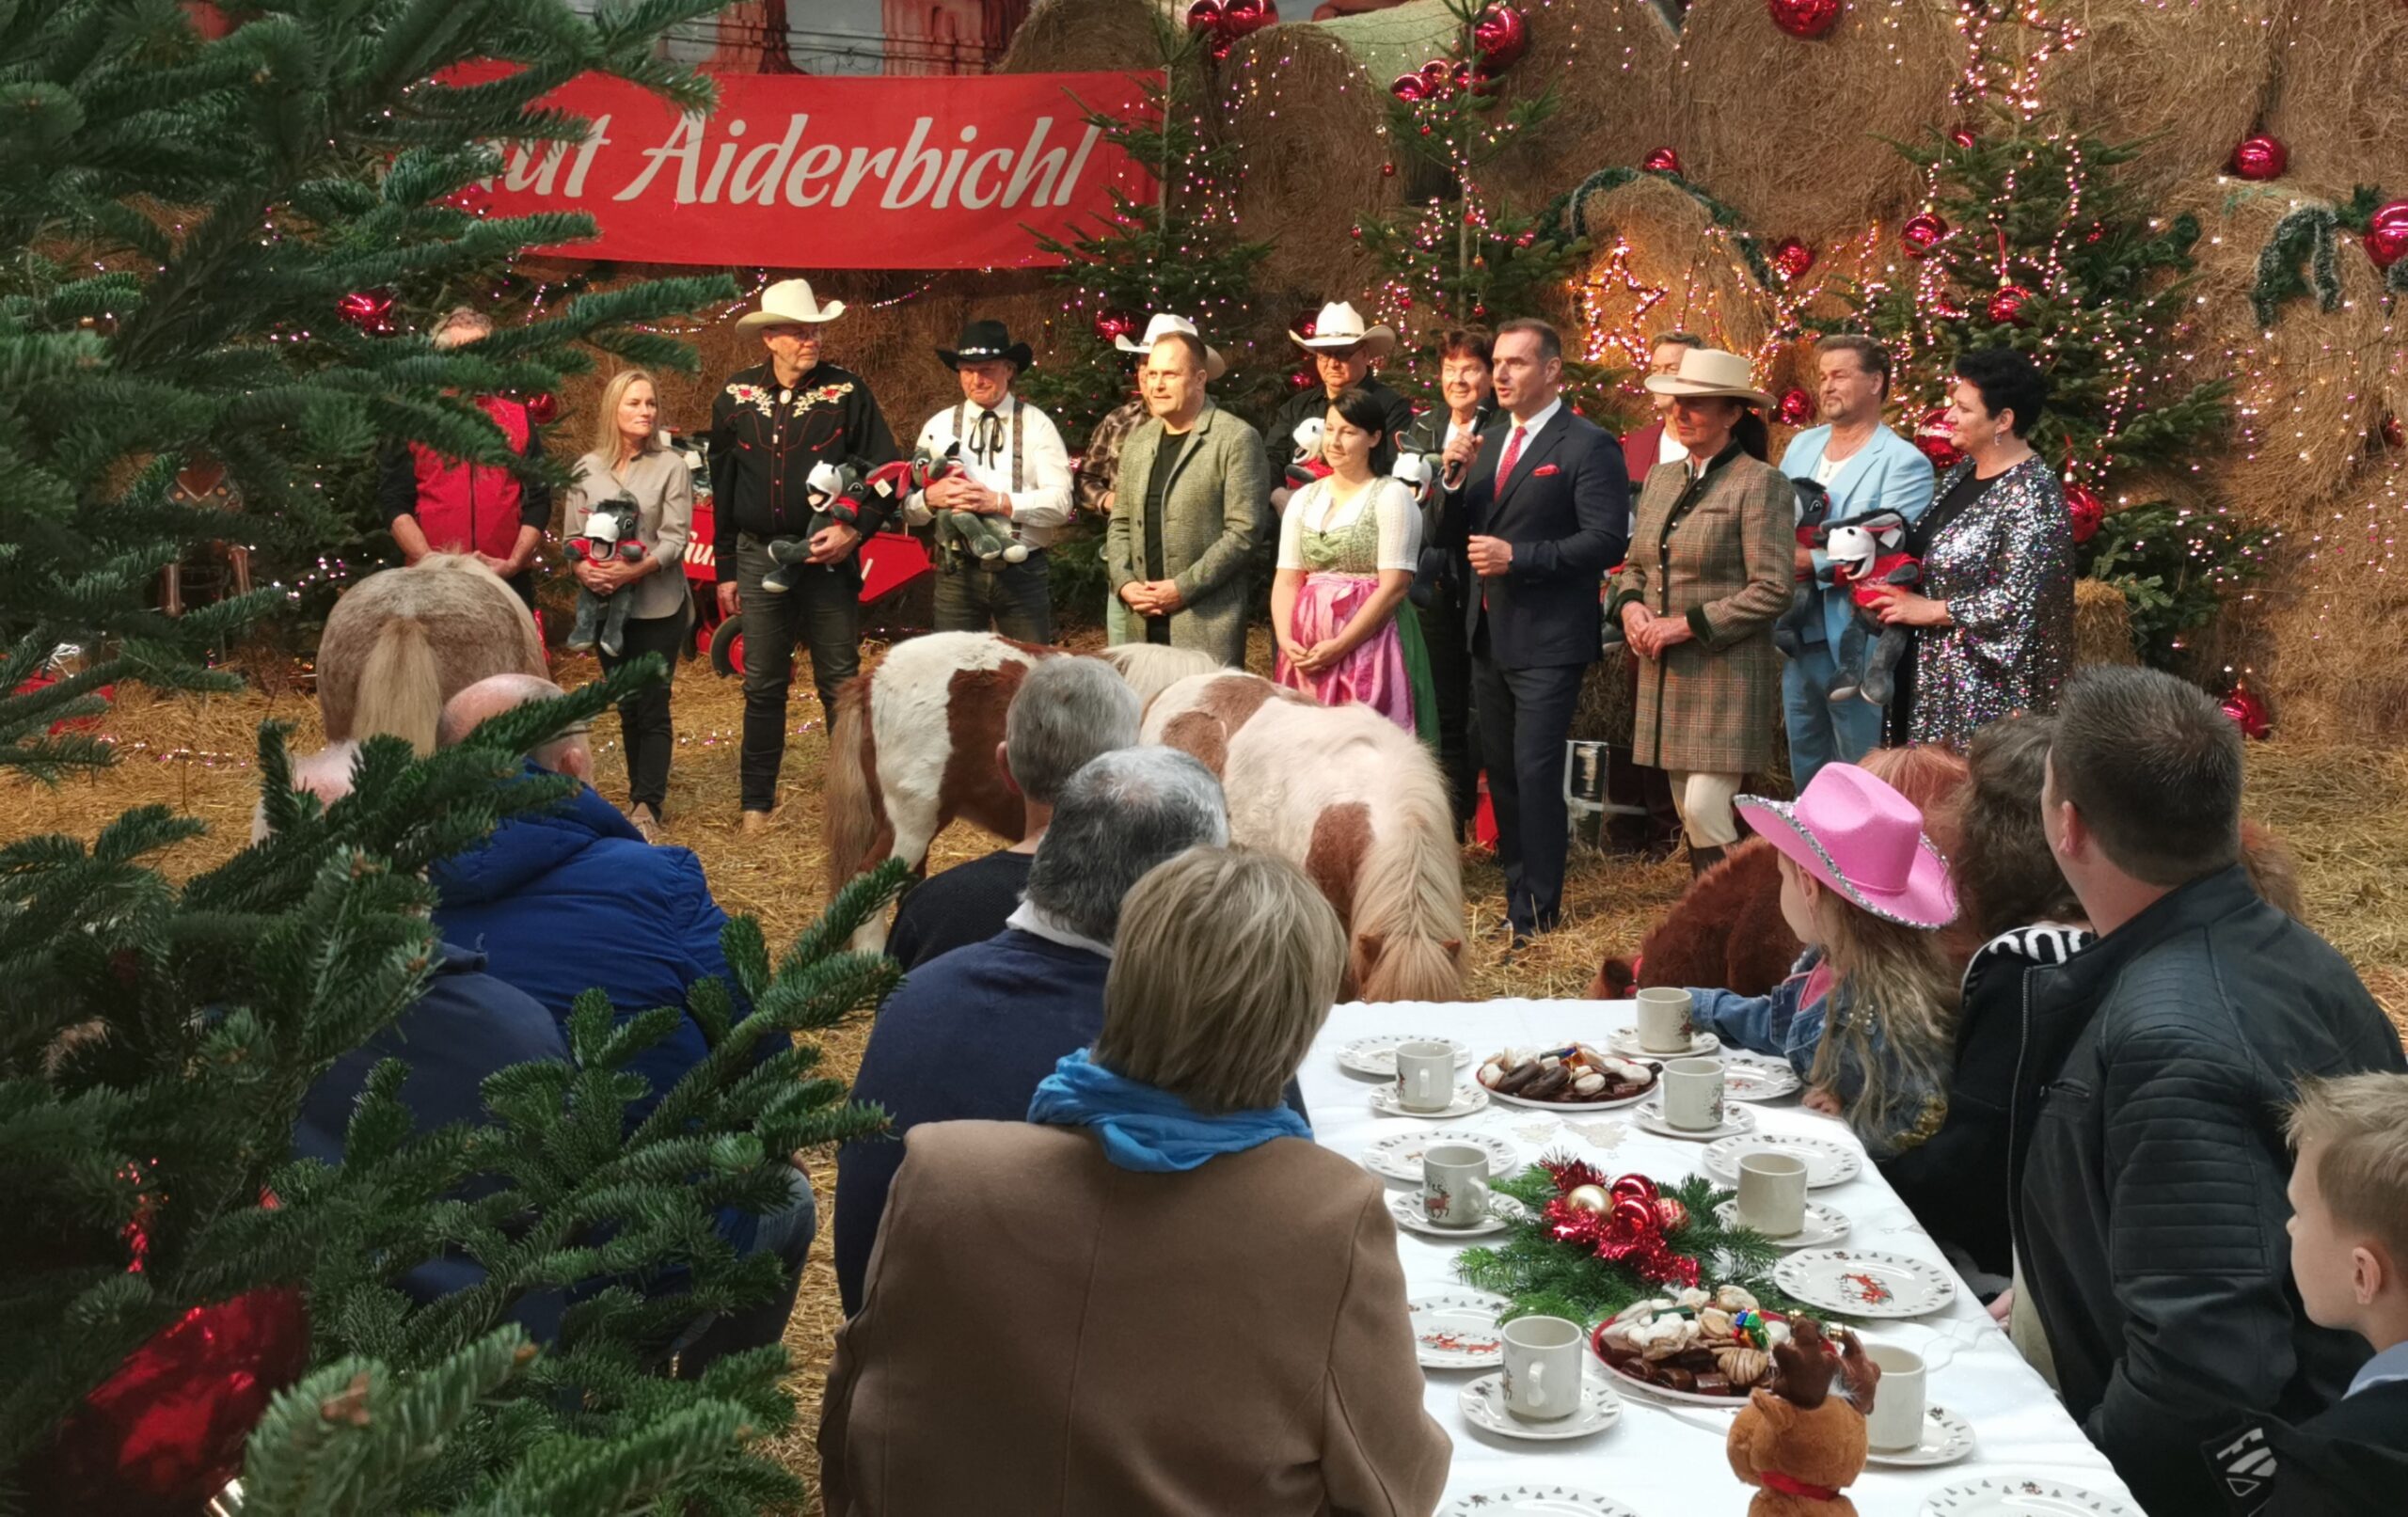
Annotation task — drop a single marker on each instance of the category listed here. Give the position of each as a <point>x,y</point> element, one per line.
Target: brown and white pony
<point>402,642</point>
<point>1352,798</point>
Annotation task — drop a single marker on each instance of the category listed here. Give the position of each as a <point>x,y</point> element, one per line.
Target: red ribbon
<point>1791,1486</point>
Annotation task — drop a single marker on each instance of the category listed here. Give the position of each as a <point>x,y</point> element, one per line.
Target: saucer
<point>1482,1403</point>
<point>1865,1282</point>
<point>1457,1329</point>
<point>1468,1098</point>
<point>2021,1496</point>
<point>1736,1121</point>
<point>1625,1042</point>
<point>1535,1500</point>
<point>1946,1439</point>
<point>1826,1163</point>
<point>1376,1056</point>
<point>1825,1225</point>
<point>1399,1158</point>
<point>1405,1207</point>
<point>1754,1077</point>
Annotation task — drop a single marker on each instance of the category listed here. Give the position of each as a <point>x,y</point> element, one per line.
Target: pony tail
<point>855,813</point>
<point>401,690</point>
<point>1410,900</point>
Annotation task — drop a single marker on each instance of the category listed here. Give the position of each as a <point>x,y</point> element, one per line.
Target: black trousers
<point>644,731</point>
<point>1524,716</point>
<point>823,611</point>
<point>1015,599</point>
<point>1442,634</point>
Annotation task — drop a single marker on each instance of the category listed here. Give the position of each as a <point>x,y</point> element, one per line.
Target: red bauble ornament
<point>1501,36</point>
<point>2247,710</point>
<point>2007,305</point>
<point>370,310</point>
<point>1939,444</point>
<point>1963,136</point>
<point>1240,17</point>
<point>1662,161</point>
<point>1204,18</point>
<point>2387,234</point>
<point>1921,234</point>
<point>1112,325</point>
<point>543,409</point>
<point>2261,157</point>
<point>165,1432</point>
<point>2391,432</point>
<point>1303,381</point>
<point>1792,259</point>
<point>1797,407</point>
<point>1671,1214</point>
<point>1437,79</point>
<point>1387,171</point>
<point>1631,1221</point>
<point>1633,1188</point>
<point>2087,511</point>
<point>1806,17</point>
<point>1407,87</point>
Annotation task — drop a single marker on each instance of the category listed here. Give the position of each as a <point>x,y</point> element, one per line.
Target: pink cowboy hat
<point>1861,838</point>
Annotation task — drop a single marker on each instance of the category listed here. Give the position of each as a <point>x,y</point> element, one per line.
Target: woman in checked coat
<point>1710,567</point>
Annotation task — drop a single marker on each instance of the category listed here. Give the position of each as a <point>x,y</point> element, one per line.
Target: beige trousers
<point>1703,802</point>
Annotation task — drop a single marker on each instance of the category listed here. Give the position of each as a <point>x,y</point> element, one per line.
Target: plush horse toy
<point>1806,597</point>
<point>608,534</point>
<point>1308,465</point>
<point>1798,1444</point>
<point>1868,552</point>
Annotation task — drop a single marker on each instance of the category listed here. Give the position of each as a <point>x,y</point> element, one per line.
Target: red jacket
<point>465,506</point>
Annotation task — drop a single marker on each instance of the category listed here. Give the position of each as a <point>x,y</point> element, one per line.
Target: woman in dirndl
<point>1348,546</point>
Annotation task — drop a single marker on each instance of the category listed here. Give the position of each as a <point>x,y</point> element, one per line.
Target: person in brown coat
<point>1708,575</point>
<point>1048,1322</point>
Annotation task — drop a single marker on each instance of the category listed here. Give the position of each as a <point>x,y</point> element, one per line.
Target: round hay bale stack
<point>2334,618</point>
<point>2341,96</point>
<point>1615,67</point>
<point>1313,127</point>
<point>1748,86</point>
<point>1074,36</point>
<point>2102,624</point>
<point>1664,241</point>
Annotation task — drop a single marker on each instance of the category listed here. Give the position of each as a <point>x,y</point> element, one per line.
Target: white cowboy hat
<point>1162,326</point>
<point>1711,371</point>
<point>1339,326</point>
<point>790,303</point>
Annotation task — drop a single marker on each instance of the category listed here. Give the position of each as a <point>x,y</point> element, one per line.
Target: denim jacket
<point>1779,1024</point>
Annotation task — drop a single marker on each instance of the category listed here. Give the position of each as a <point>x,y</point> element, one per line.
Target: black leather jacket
<point>2150,1200</point>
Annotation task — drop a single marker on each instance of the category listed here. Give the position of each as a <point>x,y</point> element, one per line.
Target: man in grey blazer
<point>1190,511</point>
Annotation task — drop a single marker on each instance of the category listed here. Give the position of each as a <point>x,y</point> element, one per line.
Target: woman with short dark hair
<point>1993,616</point>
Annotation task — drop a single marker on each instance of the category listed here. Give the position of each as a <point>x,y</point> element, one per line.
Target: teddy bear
<point>1868,552</point>
<point>1796,1442</point>
<point>607,535</point>
<point>1814,508</point>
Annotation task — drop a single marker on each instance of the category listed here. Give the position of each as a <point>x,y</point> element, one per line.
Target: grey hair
<point>1066,711</point>
<point>1121,814</point>
<point>491,697</point>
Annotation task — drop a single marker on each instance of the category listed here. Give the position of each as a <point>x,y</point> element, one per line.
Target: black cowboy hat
<point>983,341</point>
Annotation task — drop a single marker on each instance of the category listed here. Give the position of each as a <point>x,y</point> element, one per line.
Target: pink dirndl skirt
<point>1374,674</point>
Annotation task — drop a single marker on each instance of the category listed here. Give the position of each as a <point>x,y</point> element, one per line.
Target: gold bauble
<point>1588,1198</point>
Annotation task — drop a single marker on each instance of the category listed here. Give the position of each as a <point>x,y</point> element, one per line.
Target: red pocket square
<point>1544,470</point>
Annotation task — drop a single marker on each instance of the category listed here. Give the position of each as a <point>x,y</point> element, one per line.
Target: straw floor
<point>2338,806</point>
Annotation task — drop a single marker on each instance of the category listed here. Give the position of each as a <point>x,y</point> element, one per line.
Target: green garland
<point>2312,232</point>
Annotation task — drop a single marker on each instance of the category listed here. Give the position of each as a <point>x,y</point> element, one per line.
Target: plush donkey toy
<point>1308,465</point>
<point>1798,1444</point>
<point>1867,552</point>
<point>608,534</point>
<point>1805,597</point>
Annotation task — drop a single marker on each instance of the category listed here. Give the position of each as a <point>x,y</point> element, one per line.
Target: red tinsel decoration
<point>2261,157</point>
<point>1921,234</point>
<point>1662,161</point>
<point>1630,1231</point>
<point>1806,17</point>
<point>1797,407</point>
<point>2087,510</point>
<point>2387,234</point>
<point>1792,259</point>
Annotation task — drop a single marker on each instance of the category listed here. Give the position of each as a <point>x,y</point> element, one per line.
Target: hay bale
<point>2340,94</point>
<point>2333,652</point>
<point>2102,624</point>
<point>1615,68</point>
<point>1790,131</point>
<point>1074,36</point>
<point>1663,240</point>
<point>1398,40</point>
<point>1313,127</point>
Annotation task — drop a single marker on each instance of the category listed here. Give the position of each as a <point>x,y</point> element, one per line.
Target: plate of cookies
<point>1574,1077</point>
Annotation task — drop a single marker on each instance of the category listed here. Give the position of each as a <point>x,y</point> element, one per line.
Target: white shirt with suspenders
<point>1014,450</point>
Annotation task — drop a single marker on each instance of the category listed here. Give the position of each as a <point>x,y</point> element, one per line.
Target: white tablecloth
<point>1666,1461</point>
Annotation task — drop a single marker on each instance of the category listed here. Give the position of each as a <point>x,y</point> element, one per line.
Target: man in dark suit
<point>1543,511</point>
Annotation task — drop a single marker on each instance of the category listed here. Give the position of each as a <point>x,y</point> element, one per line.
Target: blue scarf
<point>1146,1128</point>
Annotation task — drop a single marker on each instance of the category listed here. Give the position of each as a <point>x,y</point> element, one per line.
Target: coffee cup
<point>1664,1019</point>
<point>1895,1421</point>
<point>1544,1362</point>
<point>1693,1093</point>
<point>1425,1075</point>
<point>1454,1185</point>
<point>1772,1193</point>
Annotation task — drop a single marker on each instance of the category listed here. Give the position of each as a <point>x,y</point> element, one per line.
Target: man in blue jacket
<point>1866,468</point>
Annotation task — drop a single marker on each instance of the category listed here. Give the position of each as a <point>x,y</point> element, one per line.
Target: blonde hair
<point>2361,1122</point>
<point>1224,1030</point>
<point>606,423</point>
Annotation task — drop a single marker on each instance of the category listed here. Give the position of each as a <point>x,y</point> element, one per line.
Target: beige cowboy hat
<point>790,303</point>
<point>1707,371</point>
<point>1162,326</point>
<point>1341,326</point>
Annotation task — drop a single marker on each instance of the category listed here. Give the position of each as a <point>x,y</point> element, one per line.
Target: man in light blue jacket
<point>1866,467</point>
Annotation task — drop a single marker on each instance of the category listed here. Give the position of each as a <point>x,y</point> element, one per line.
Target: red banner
<point>805,171</point>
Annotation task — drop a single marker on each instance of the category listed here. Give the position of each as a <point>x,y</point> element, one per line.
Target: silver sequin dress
<point>2005,568</point>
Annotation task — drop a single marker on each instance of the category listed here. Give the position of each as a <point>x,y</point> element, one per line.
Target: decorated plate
<point>1625,1041</point>
<point>1534,1500</point>
<point>1405,1207</point>
<point>1826,1163</point>
<point>1399,1158</point>
<point>1663,1393</point>
<point>1482,1403</point>
<point>1752,1077</point>
<point>1470,1098</point>
<point>1631,1100</point>
<point>2017,1496</point>
<point>1825,1225</point>
<point>1457,1329</point>
<point>1864,1283</point>
<point>1946,1439</point>
<point>1376,1056</point>
<point>1736,1121</point>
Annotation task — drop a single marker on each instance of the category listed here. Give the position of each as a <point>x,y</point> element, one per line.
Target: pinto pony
<point>1353,799</point>
<point>402,642</point>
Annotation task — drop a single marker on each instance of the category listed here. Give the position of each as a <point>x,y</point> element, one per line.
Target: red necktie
<point>1512,456</point>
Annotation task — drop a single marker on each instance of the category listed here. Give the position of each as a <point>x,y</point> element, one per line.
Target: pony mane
<point>1151,670</point>
<point>1411,896</point>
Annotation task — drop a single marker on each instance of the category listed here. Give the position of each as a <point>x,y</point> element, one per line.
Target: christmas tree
<point>2031,242</point>
<point>207,227</point>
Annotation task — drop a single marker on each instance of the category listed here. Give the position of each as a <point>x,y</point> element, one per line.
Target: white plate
<point>1752,1077</point>
<point>1736,1121</point>
<point>1457,1329</point>
<point>1625,1041</point>
<point>1470,1098</point>
<point>1482,1403</point>
<point>1376,1056</point>
<point>1825,1225</point>
<point>1399,1158</point>
<point>2019,1496</point>
<point>1946,1439</point>
<point>1865,1283</point>
<point>1575,1106</point>
<point>1826,1163</point>
<point>1405,1207</point>
<point>1535,1500</point>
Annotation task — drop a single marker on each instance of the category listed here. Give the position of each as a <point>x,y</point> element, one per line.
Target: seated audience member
<point>1053,1322</point>
<point>2159,1059</point>
<point>1066,712</point>
<point>1868,1016</point>
<point>970,1034</point>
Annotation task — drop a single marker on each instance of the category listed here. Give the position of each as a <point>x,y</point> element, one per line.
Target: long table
<point>1663,1460</point>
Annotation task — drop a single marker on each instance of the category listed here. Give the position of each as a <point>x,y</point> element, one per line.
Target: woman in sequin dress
<point>1994,617</point>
